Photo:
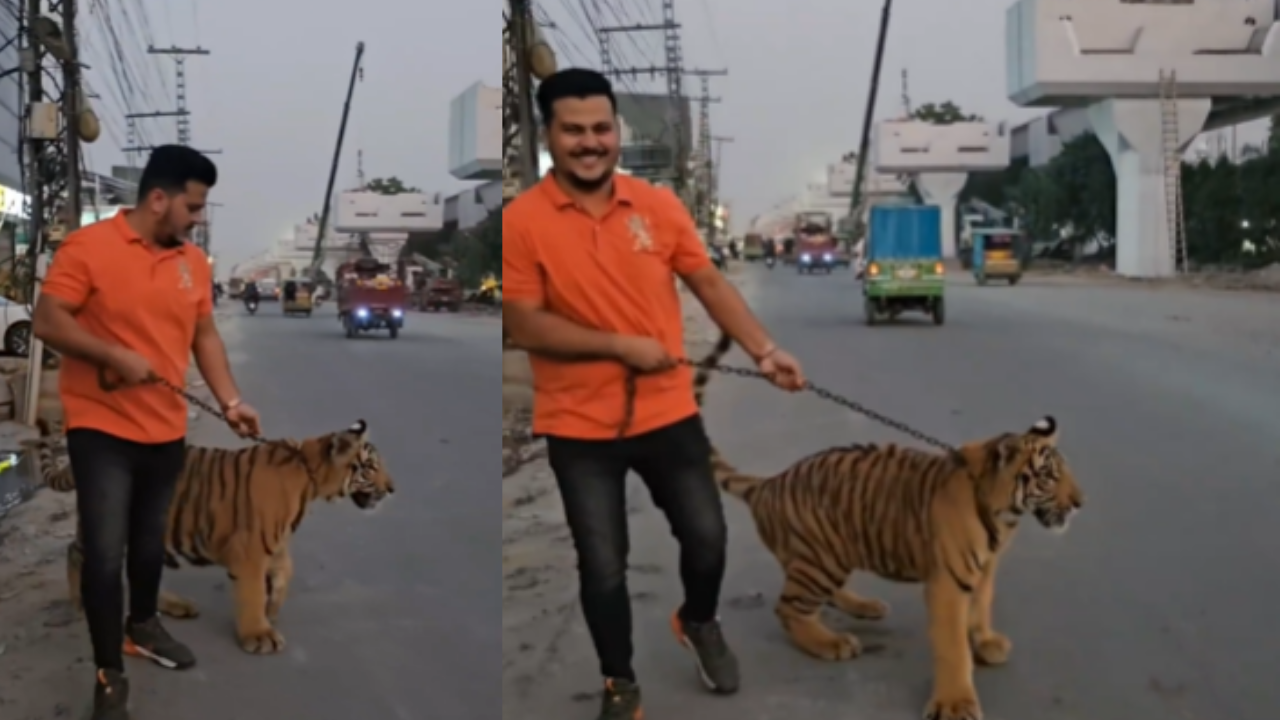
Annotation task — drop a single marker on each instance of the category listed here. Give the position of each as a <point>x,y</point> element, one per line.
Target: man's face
<point>177,215</point>
<point>583,141</point>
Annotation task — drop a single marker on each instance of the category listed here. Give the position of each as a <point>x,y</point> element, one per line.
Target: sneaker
<point>110,696</point>
<point>621,701</point>
<point>150,640</point>
<point>717,665</point>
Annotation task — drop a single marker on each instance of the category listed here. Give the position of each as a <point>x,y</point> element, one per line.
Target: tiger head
<point>1026,473</point>
<point>356,467</point>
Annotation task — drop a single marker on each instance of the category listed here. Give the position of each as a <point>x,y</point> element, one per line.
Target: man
<point>128,302</point>
<point>589,259</point>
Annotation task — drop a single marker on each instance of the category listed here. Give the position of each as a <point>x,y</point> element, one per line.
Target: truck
<point>816,249</point>
<point>904,270</point>
<point>753,247</point>
<point>370,297</point>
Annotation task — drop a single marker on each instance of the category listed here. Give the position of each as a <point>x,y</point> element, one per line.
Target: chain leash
<point>809,387</point>
<point>107,386</point>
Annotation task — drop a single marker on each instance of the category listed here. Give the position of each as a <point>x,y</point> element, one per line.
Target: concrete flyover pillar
<point>1131,131</point>
<point>943,189</point>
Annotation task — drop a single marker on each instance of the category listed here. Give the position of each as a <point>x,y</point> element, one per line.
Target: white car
<point>17,327</point>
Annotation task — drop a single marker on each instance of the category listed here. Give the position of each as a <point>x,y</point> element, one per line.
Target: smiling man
<point>589,263</point>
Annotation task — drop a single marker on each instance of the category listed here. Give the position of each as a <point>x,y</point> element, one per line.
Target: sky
<point>800,71</point>
<point>270,95</point>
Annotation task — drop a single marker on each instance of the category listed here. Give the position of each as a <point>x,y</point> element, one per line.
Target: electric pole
<point>520,161</point>
<point>719,142</point>
<point>181,113</point>
<point>52,130</point>
<point>704,208</point>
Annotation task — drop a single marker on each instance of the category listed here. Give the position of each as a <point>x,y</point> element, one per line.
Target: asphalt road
<point>392,615</point>
<point>1160,602</point>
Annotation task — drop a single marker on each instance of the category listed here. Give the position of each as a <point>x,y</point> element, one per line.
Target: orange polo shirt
<point>144,299</point>
<point>615,274</point>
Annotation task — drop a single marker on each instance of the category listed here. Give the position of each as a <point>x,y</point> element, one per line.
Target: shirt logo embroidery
<point>640,233</point>
<point>184,275</point>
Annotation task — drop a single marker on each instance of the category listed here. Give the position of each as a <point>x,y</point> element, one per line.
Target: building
<point>471,206</point>
<point>648,125</point>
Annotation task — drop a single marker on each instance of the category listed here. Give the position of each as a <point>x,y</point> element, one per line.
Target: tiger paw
<point>858,607</point>
<point>841,647</point>
<point>178,607</point>
<point>962,706</point>
<point>992,649</point>
<point>265,642</point>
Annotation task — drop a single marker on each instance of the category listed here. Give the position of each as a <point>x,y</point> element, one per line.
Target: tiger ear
<point>1046,430</point>
<point>359,428</point>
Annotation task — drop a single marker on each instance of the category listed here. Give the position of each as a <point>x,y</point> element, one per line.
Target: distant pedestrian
<point>589,260</point>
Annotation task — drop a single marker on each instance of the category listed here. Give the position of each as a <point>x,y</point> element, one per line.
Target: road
<point>1158,603</point>
<point>394,615</point>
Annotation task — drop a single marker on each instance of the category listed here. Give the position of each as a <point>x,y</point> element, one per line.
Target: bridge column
<point>1131,131</point>
<point>942,189</point>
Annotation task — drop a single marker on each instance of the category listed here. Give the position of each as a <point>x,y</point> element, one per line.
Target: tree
<point>478,250</point>
<point>389,186</point>
<point>948,113</point>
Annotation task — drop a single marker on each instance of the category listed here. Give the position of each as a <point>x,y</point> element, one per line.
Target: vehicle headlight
<point>362,312</point>
<point>804,258</point>
<point>827,257</point>
<point>397,312</point>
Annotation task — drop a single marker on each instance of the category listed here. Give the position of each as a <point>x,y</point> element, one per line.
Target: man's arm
<point>525,319</point>
<point>211,358</point>
<point>66,287</point>
<point>721,299</point>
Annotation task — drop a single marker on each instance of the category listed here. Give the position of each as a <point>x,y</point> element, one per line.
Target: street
<point>391,615</point>
<point>1158,603</point>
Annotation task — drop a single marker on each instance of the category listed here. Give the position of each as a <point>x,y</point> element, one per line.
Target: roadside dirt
<point>1265,279</point>
<point>539,600</point>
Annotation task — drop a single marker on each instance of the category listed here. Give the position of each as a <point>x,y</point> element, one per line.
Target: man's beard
<point>582,184</point>
<point>169,238</point>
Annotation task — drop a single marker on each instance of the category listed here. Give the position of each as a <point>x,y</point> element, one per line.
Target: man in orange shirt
<point>589,263</point>
<point>128,301</point>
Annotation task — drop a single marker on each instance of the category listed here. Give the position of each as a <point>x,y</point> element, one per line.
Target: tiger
<point>238,508</point>
<point>907,515</point>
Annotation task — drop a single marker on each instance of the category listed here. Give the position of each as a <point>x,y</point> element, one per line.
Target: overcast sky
<point>799,74</point>
<point>270,95</point>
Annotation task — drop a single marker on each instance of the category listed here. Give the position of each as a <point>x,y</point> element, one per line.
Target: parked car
<point>16,319</point>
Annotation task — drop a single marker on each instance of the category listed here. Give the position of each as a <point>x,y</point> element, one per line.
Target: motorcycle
<point>251,306</point>
<point>768,262</point>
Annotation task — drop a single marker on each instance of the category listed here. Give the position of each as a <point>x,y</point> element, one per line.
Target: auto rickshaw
<point>296,298</point>
<point>904,269</point>
<point>996,255</point>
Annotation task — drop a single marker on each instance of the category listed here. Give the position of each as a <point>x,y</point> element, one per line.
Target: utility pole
<point>522,154</point>
<point>52,131</point>
<point>704,208</point>
<point>181,114</point>
<point>674,72</point>
<point>719,142</point>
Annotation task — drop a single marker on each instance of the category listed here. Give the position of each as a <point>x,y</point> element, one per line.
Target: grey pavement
<point>392,615</point>
<point>1158,603</point>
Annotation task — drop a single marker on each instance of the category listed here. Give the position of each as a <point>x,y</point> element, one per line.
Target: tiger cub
<point>908,515</point>
<point>238,508</point>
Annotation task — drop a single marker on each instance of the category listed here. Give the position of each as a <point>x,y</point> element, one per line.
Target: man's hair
<point>577,83</point>
<point>171,167</point>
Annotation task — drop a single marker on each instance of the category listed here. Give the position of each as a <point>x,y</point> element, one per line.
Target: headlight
<point>397,312</point>
<point>827,257</point>
<point>804,258</point>
<point>362,312</point>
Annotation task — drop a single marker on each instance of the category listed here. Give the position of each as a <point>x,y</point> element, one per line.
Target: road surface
<point>1160,602</point>
<point>394,615</point>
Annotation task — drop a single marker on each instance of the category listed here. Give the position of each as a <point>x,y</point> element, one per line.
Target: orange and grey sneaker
<point>621,701</point>
<point>110,696</point>
<point>717,665</point>
<point>150,640</point>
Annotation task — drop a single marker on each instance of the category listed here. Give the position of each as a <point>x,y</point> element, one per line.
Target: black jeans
<point>675,464</point>
<point>123,491</point>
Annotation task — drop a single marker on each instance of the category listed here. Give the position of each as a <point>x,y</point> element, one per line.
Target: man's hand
<point>129,367</point>
<point>243,420</point>
<point>782,370</point>
<point>643,354</point>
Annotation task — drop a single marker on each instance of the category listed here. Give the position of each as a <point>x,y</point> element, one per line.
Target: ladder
<point>1172,169</point>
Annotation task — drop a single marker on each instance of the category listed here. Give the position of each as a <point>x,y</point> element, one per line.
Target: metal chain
<point>205,406</point>
<point>821,392</point>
